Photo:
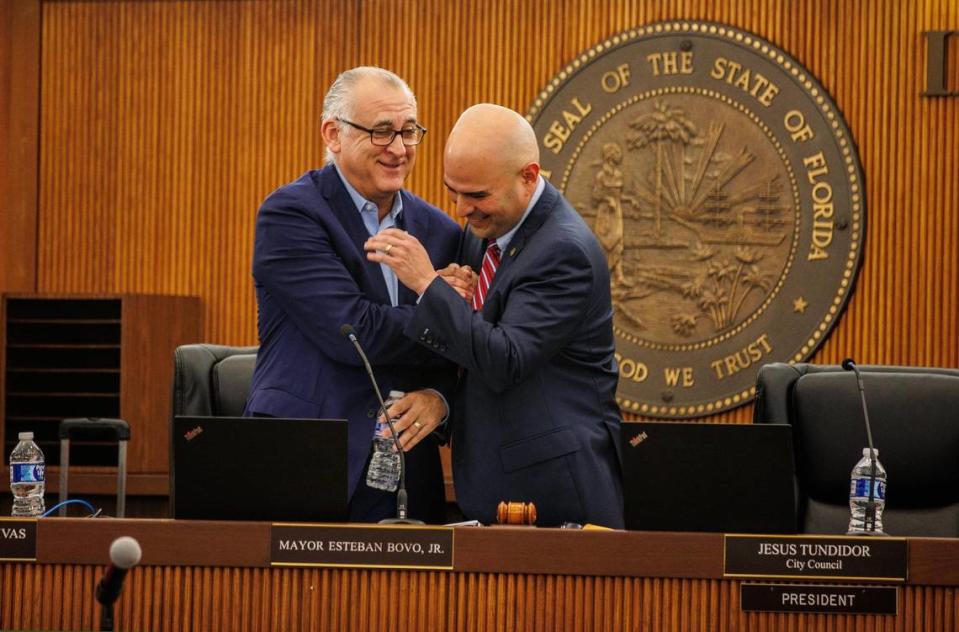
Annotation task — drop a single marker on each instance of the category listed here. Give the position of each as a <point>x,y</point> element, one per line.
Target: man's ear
<point>529,172</point>
<point>330,130</point>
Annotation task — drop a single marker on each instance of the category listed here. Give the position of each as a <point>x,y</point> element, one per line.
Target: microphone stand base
<point>881,534</point>
<point>400,521</point>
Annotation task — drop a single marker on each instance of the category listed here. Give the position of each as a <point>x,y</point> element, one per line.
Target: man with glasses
<point>312,277</point>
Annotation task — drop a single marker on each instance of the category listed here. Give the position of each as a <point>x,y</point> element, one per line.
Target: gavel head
<point>516,513</point>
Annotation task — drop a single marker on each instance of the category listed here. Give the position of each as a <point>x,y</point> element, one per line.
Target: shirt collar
<point>503,240</point>
<point>362,203</point>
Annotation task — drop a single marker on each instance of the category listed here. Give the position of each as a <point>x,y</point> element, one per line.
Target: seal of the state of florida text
<point>726,191</point>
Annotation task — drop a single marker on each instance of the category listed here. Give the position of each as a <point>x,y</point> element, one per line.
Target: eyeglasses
<point>382,136</point>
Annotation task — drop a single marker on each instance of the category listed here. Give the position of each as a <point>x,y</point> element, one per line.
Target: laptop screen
<point>690,476</point>
<point>260,468</point>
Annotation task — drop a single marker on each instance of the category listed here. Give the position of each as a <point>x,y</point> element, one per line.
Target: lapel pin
<point>512,251</point>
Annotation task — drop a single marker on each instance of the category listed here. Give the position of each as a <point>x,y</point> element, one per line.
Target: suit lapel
<point>345,211</point>
<point>413,221</point>
<point>471,250</point>
<point>536,218</point>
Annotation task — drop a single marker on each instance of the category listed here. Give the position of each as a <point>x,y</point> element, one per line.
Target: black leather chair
<point>212,380</point>
<point>914,412</point>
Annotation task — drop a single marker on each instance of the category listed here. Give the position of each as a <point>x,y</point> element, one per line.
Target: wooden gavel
<point>516,513</point>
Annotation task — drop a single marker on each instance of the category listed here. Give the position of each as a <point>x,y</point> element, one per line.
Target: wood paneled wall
<point>236,599</point>
<point>163,124</point>
<point>19,125</point>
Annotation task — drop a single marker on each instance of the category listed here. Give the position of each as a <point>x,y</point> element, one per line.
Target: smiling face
<point>490,196</point>
<point>491,167</point>
<point>377,173</point>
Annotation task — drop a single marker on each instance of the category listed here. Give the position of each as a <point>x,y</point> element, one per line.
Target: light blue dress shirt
<point>370,214</point>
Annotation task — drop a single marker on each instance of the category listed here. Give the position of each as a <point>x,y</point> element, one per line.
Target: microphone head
<point>125,552</point>
<point>848,364</point>
<point>346,329</point>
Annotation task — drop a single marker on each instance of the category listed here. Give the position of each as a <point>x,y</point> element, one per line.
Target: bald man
<point>534,417</point>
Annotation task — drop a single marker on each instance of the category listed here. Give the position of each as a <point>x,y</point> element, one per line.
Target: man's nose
<point>396,146</point>
<point>463,207</point>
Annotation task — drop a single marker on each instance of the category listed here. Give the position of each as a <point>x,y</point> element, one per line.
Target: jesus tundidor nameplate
<point>361,546</point>
<point>816,557</point>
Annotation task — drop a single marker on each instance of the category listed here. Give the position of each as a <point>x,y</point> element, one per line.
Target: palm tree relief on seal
<point>682,217</point>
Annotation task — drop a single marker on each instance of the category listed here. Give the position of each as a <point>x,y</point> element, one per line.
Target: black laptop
<point>690,476</point>
<point>262,468</point>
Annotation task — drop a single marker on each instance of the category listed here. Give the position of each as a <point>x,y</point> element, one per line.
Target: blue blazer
<point>311,276</point>
<point>535,417</point>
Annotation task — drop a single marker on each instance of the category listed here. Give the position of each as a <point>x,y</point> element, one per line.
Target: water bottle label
<point>860,489</point>
<point>26,472</point>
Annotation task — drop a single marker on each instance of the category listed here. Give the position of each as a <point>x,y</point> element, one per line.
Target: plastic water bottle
<point>384,470</point>
<point>860,523</point>
<point>26,477</point>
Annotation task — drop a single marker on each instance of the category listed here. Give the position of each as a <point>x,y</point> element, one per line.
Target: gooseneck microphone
<point>125,553</point>
<point>401,498</point>
<point>870,524</point>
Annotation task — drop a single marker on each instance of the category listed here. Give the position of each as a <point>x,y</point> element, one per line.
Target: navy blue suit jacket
<point>535,417</point>
<point>311,276</point>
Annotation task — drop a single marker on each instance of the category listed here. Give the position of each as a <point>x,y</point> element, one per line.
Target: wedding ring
<point>387,249</point>
<point>418,425</point>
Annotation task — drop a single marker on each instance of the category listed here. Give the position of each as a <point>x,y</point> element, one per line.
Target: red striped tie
<point>490,263</point>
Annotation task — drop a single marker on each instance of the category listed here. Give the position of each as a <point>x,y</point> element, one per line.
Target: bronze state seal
<point>725,188</point>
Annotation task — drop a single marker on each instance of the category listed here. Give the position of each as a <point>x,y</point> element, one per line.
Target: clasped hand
<point>405,255</point>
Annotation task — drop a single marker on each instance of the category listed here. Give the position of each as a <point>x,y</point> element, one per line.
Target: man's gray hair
<point>338,103</point>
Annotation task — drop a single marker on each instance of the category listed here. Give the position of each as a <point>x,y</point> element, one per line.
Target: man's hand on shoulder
<point>405,255</point>
<point>416,415</point>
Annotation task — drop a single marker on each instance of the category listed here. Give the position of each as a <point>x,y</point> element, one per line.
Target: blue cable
<point>68,502</point>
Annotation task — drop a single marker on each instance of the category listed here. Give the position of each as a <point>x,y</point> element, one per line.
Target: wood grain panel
<point>163,125</point>
<point>154,326</point>
<point>19,130</point>
<point>240,599</point>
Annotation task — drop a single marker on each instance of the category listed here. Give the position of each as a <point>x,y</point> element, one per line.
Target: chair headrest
<point>232,377</point>
<point>193,386</point>
<point>915,426</point>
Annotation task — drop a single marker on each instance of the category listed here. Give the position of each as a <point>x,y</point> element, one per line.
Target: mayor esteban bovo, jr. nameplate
<point>295,544</point>
<point>725,189</point>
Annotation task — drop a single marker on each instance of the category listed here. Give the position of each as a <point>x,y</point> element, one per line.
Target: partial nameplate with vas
<point>18,539</point>
<point>361,546</point>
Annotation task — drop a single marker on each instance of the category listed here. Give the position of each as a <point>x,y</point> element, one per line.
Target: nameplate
<point>361,546</point>
<point>816,557</point>
<point>18,539</point>
<point>819,599</point>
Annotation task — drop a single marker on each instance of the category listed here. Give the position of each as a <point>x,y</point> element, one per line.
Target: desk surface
<point>932,561</point>
<point>217,576</point>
